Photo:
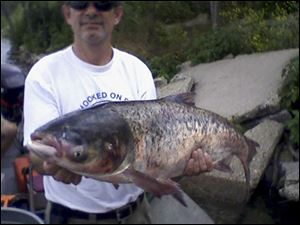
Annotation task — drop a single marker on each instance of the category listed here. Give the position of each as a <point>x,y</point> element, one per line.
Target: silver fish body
<point>144,142</point>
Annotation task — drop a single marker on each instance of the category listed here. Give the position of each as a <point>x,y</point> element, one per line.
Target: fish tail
<point>252,145</point>
<point>247,172</point>
<point>246,188</point>
<point>252,149</point>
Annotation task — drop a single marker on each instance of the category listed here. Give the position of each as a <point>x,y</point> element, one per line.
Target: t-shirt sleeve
<point>39,101</point>
<point>147,89</point>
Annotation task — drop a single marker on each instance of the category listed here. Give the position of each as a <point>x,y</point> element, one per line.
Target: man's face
<point>90,25</point>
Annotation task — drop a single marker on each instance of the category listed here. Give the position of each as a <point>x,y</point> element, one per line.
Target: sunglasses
<point>100,5</point>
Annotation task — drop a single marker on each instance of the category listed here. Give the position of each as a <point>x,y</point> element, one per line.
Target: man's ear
<point>118,13</point>
<point>66,12</point>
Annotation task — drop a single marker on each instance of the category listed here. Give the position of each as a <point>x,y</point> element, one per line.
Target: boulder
<point>243,87</point>
<point>167,210</point>
<point>184,84</point>
<point>231,188</point>
<point>290,189</point>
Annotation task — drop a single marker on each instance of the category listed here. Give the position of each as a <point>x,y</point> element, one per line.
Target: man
<point>88,72</point>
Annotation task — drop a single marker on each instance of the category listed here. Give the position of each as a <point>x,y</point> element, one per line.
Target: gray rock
<point>176,87</point>
<point>180,77</point>
<point>281,117</point>
<point>160,82</point>
<point>267,134</point>
<point>291,183</point>
<point>167,210</point>
<point>184,66</point>
<point>231,188</point>
<point>244,87</point>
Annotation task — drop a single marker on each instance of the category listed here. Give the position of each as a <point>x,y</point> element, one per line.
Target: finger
<point>63,176</point>
<point>196,166</point>
<point>201,160</point>
<point>76,179</point>
<point>209,162</point>
<point>189,168</point>
<point>67,177</point>
<point>50,169</point>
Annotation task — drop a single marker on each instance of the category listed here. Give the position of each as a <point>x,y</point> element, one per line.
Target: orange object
<point>6,199</point>
<point>22,165</point>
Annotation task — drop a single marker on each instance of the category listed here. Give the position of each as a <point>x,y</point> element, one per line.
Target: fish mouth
<point>42,150</point>
<point>45,145</point>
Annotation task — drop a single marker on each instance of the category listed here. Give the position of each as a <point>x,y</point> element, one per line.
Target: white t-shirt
<point>60,83</point>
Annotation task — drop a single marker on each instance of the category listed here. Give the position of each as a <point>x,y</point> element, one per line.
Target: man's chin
<point>94,39</point>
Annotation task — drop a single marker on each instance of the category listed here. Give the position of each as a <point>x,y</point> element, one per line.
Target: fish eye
<point>108,146</point>
<point>77,154</point>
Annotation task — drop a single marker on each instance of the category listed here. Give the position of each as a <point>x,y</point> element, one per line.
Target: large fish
<point>143,142</point>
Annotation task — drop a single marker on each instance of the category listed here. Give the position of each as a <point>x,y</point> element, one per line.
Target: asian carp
<point>143,142</point>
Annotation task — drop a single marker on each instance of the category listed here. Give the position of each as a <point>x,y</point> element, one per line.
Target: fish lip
<point>42,150</point>
<point>36,136</point>
<point>39,138</point>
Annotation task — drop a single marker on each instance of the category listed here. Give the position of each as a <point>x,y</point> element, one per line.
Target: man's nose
<point>91,9</point>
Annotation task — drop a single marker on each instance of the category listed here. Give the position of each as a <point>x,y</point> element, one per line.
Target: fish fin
<point>116,186</point>
<point>155,186</point>
<point>223,165</point>
<point>178,193</point>
<point>187,98</point>
<point>252,148</point>
<point>252,145</point>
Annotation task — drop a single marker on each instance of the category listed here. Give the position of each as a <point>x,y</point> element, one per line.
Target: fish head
<point>85,142</point>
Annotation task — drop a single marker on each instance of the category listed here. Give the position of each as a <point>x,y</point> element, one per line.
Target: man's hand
<point>58,173</point>
<point>199,162</point>
<point>61,174</point>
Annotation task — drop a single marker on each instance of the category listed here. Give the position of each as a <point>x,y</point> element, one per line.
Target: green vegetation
<point>290,98</point>
<point>36,26</point>
<point>247,30</point>
<point>157,32</point>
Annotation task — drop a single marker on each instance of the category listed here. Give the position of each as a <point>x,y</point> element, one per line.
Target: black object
<point>64,213</point>
<point>10,215</point>
<point>99,5</point>
<point>12,92</point>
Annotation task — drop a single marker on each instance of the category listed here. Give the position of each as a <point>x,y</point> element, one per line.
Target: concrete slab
<point>167,210</point>
<point>241,87</point>
<point>179,86</point>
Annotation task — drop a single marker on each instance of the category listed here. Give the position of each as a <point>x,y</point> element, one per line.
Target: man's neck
<point>97,54</point>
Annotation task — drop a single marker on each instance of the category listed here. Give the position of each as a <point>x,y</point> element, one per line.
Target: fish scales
<point>144,142</point>
<point>166,133</point>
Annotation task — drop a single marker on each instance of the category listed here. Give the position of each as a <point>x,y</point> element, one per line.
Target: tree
<point>214,13</point>
<point>6,10</point>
